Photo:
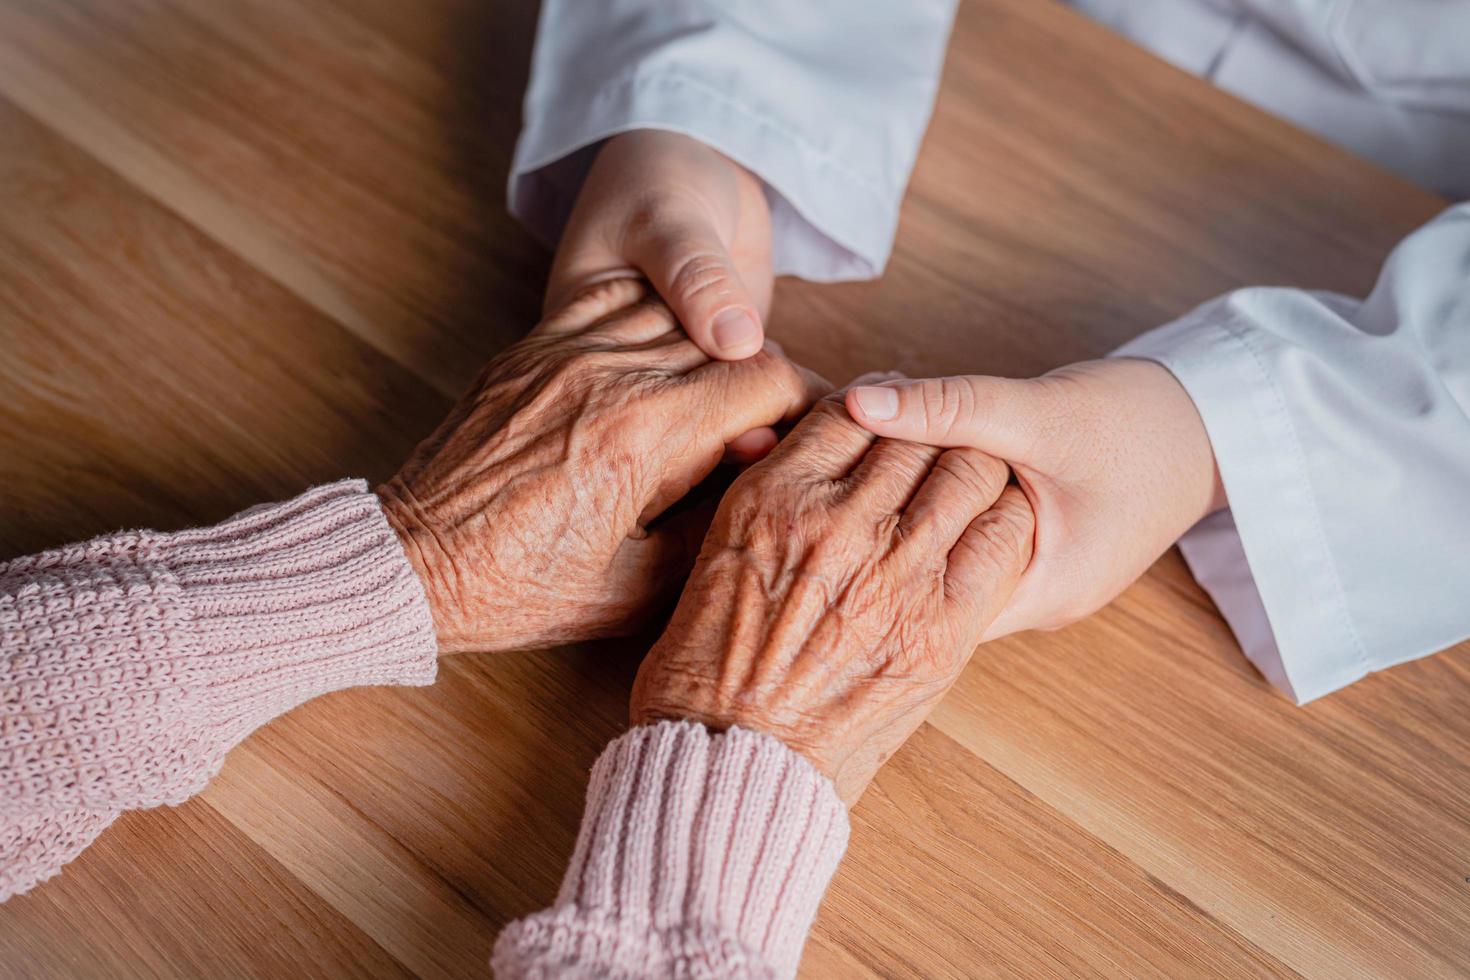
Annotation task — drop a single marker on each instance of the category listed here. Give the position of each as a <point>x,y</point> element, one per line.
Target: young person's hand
<point>530,516</point>
<point>1112,455</point>
<point>688,219</point>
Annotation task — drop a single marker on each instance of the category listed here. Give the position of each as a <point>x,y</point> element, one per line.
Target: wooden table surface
<point>250,246</point>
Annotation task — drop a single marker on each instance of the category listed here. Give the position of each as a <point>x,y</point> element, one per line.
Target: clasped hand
<point>531,514</point>
<point>843,584</point>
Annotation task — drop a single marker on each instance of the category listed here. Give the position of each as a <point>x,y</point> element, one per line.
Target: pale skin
<point>1112,455</point>
<point>691,221</point>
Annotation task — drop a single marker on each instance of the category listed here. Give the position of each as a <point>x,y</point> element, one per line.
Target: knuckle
<point>825,426</point>
<point>995,548</point>
<point>747,504</point>
<point>828,417</point>
<point>766,488</point>
<point>981,474</point>
<point>646,318</point>
<point>756,377</point>
<point>905,458</point>
<point>766,504</point>
<point>594,302</point>
<point>1007,536</point>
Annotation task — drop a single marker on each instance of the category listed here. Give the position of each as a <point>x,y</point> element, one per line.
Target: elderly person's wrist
<point>426,556</point>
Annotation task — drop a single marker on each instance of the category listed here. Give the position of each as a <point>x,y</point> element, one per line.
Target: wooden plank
<point>181,893</point>
<point>268,124</point>
<point>432,817</point>
<point>150,377</point>
<point>1335,837</point>
<point>957,871</point>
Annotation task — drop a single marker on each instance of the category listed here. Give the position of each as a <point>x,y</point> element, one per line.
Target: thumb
<point>997,415</point>
<point>692,270</point>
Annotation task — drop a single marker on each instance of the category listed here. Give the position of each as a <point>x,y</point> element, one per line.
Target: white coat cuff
<point>1266,561</point>
<point>829,223</point>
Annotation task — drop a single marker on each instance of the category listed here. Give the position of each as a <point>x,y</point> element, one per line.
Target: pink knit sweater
<point>131,664</point>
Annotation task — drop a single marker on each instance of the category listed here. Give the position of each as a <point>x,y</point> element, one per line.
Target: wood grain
<point>248,246</point>
<point>183,894</point>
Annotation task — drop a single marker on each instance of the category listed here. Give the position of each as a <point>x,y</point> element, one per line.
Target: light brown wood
<point>249,246</point>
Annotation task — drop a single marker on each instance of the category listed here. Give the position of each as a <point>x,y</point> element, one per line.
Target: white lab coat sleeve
<point>1342,432</point>
<point>825,100</point>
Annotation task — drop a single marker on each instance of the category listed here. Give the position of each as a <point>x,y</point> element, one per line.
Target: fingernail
<point>878,404</point>
<point>736,332</point>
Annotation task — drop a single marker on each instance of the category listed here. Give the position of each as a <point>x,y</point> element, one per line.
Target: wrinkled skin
<point>1112,455</point>
<point>842,587</point>
<point>527,514</point>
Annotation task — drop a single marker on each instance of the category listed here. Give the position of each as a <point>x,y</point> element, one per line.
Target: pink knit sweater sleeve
<point>700,855</point>
<point>130,664</point>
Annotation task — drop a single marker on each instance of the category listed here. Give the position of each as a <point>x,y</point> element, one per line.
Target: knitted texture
<point>130,664</point>
<point>700,855</point>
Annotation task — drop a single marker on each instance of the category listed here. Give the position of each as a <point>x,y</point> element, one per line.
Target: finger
<point>756,445</point>
<point>646,336</point>
<point>716,405</point>
<point>826,443</point>
<point>681,524</point>
<point>662,556</point>
<point>989,559</point>
<point>959,487</point>
<point>623,315</point>
<point>890,473</point>
<point>998,415</point>
<point>751,447</point>
<point>691,269</point>
<point>733,397</point>
<point>593,301</point>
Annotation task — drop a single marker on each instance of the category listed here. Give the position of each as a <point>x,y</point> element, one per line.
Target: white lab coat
<point>1341,427</point>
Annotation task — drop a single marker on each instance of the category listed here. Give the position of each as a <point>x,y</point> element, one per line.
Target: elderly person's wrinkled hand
<point>530,514</point>
<point>842,587</point>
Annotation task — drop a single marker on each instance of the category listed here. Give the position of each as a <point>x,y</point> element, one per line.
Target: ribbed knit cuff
<point>700,855</point>
<point>289,601</point>
<point>136,661</point>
